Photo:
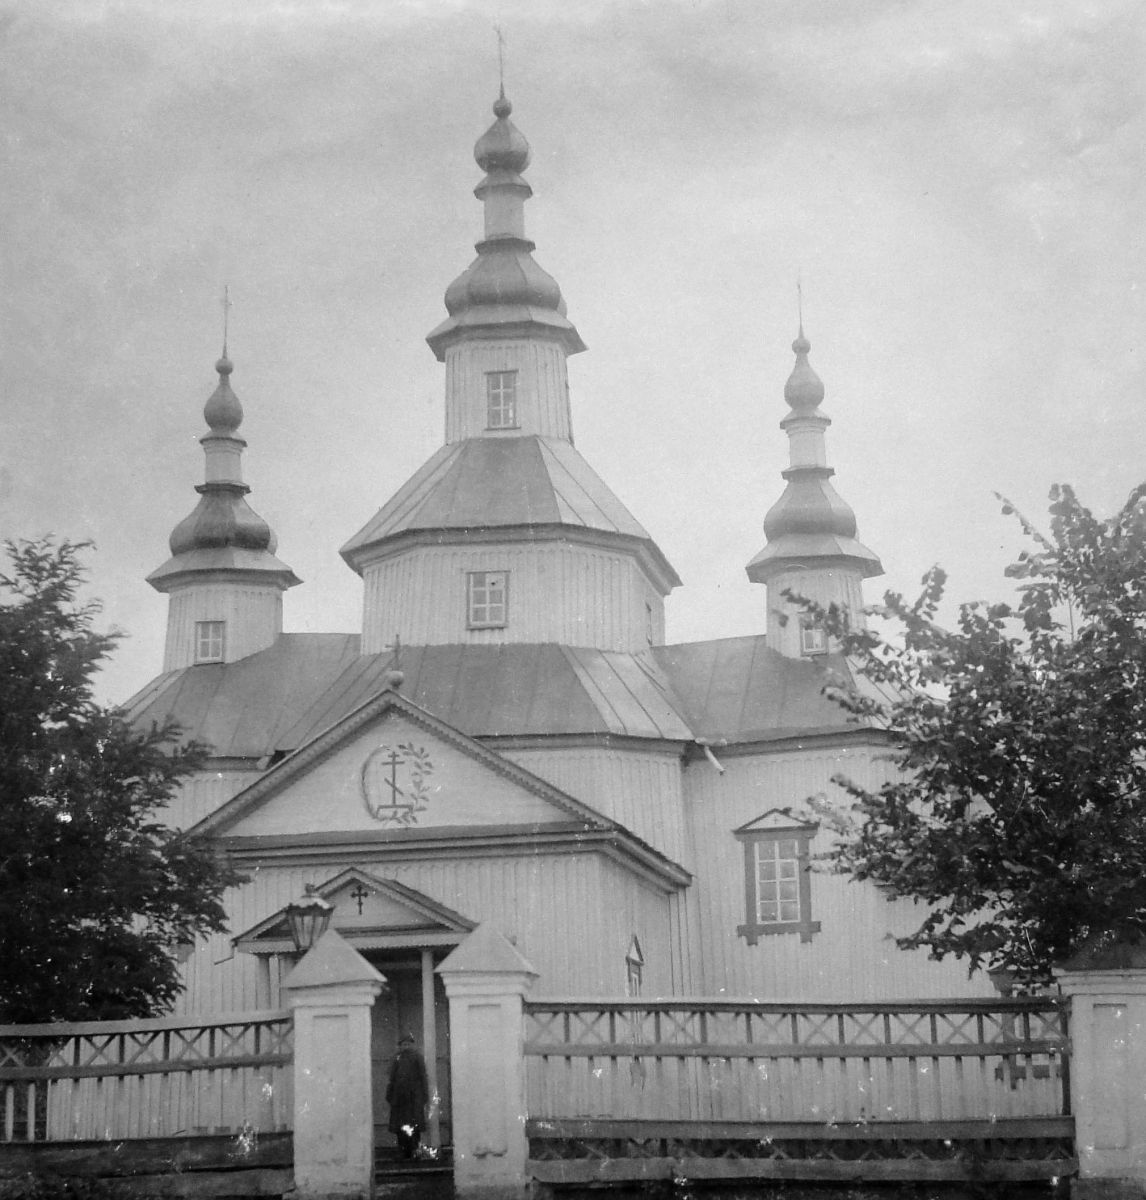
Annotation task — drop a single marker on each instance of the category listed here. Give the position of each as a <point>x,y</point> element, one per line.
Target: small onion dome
<point>502,147</point>
<point>504,272</point>
<point>810,505</point>
<point>804,389</point>
<point>222,518</point>
<point>223,412</point>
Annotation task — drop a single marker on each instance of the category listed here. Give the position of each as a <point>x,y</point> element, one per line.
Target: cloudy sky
<point>960,187</point>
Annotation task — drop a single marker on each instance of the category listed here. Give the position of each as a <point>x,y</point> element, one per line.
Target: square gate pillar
<point>331,992</point>
<point>485,979</point>
<point>1107,989</point>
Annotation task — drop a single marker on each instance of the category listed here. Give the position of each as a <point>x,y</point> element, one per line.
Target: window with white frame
<point>487,599</point>
<point>813,639</point>
<point>777,877</point>
<point>210,640</point>
<point>501,399</point>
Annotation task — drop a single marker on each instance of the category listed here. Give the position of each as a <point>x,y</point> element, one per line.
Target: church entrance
<point>414,1001</point>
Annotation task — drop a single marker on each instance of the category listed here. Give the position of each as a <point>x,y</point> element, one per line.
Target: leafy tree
<point>1017,813</point>
<point>95,892</point>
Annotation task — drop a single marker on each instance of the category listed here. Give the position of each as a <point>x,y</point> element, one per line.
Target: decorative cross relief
<point>358,893</point>
<point>394,783</point>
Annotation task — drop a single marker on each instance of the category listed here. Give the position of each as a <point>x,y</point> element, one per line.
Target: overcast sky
<point>960,187</point>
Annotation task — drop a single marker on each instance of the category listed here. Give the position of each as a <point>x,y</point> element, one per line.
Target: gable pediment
<point>370,913</point>
<point>390,769</point>
<point>774,819</point>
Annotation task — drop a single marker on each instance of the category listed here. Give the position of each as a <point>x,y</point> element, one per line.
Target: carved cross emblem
<point>395,783</point>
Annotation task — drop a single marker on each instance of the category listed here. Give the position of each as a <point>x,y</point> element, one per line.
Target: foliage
<point>95,892</point>
<point>1021,737</point>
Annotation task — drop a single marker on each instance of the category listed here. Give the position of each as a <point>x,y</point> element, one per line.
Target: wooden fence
<point>164,1077</point>
<point>674,1079</point>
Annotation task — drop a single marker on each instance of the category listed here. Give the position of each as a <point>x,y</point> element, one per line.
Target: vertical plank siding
<point>253,615</point>
<point>542,387</point>
<point>167,1077</point>
<point>558,592</point>
<point>641,790</point>
<point>559,908</point>
<point>853,956</point>
<point>725,1061</point>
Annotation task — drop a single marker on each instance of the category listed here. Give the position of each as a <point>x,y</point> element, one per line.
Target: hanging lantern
<point>309,918</point>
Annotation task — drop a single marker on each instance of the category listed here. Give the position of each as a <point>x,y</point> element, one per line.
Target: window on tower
<point>813,639</point>
<point>487,599</point>
<point>501,399</point>
<point>210,640</point>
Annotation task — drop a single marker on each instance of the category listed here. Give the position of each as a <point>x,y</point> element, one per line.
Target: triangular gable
<point>775,818</point>
<point>391,766</point>
<point>370,913</point>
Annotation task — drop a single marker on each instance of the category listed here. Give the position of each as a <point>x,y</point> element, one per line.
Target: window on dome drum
<point>501,399</point>
<point>777,881</point>
<point>487,599</point>
<point>209,641</point>
<point>813,639</point>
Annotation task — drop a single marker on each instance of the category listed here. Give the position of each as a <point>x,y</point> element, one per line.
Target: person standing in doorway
<point>408,1094</point>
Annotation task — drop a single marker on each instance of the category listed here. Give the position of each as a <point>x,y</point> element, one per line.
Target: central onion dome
<point>503,292</point>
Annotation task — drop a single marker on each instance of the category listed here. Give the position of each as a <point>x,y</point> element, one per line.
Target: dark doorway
<point>400,1008</point>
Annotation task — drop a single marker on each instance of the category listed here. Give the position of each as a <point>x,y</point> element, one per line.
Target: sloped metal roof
<point>240,709</point>
<point>499,482</point>
<point>276,701</point>
<point>741,690</point>
<point>512,690</point>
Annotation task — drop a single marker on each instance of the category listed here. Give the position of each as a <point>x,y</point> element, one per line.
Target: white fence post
<point>1107,990</point>
<point>331,992</point>
<point>485,979</point>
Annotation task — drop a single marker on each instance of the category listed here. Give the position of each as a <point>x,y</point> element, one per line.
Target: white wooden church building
<point>625,811</point>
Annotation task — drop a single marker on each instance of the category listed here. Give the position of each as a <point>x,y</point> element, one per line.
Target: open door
<point>401,1008</point>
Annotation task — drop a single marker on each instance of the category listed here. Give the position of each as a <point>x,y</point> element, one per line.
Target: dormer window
<point>501,399</point>
<point>813,639</point>
<point>487,599</point>
<point>210,640</point>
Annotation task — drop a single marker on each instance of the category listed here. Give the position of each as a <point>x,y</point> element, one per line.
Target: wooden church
<point>535,757</point>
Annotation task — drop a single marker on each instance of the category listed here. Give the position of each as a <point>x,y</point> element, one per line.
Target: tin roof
<point>240,709</point>
<point>278,700</point>
<point>741,690</point>
<point>499,482</point>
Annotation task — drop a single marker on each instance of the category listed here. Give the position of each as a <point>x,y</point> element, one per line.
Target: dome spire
<point>503,292</point>
<point>812,547</point>
<point>223,543</point>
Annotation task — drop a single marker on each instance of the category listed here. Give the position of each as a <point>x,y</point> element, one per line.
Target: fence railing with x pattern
<point>164,1077</point>
<point>721,1061</point>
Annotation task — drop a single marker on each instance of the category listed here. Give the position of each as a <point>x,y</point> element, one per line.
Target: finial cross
<point>500,58</point>
<point>226,314</point>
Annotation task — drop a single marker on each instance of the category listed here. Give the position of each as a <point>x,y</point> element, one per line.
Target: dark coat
<point>408,1092</point>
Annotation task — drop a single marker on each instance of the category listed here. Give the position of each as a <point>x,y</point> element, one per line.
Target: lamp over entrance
<point>309,918</point>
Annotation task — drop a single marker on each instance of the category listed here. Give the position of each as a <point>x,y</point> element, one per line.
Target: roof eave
<point>367,553</point>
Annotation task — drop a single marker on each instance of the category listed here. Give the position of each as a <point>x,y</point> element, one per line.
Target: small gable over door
<point>371,913</point>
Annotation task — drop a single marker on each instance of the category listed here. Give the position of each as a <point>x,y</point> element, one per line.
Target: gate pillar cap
<point>486,952</point>
<point>1107,950</point>
<point>332,962</point>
